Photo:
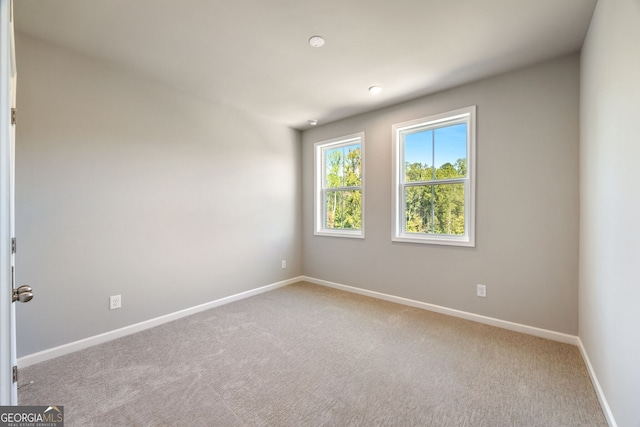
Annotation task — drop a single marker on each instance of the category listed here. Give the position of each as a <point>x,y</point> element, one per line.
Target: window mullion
<point>433,209</point>
<point>433,154</point>
<point>342,209</point>
<point>351,188</point>
<point>436,182</point>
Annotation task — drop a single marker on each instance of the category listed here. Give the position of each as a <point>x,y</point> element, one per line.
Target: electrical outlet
<point>115,302</point>
<point>481,290</point>
<point>284,263</point>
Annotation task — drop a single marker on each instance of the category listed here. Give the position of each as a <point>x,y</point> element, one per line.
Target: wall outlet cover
<point>481,290</point>
<point>115,302</point>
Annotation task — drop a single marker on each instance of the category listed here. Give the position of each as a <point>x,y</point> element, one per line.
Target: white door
<point>8,388</point>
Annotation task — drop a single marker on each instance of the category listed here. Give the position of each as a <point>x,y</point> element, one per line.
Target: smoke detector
<point>316,41</point>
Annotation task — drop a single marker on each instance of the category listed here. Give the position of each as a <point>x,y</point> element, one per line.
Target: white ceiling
<point>254,54</point>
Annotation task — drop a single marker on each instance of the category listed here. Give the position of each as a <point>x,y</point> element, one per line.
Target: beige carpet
<point>306,355</point>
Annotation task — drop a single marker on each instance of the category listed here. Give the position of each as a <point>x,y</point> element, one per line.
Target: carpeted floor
<point>306,355</point>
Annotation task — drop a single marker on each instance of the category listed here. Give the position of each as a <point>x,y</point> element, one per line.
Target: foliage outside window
<point>339,180</point>
<point>434,170</point>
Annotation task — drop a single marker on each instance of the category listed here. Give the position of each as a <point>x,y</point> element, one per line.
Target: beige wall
<point>125,186</point>
<point>610,234</point>
<point>527,204</point>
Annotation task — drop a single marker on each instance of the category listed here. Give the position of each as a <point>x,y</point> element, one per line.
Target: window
<point>339,187</point>
<point>434,174</point>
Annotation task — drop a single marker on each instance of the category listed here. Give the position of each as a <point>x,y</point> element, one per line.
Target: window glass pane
<point>419,209</point>
<point>418,156</point>
<point>343,210</point>
<point>334,172</point>
<point>448,209</point>
<point>435,209</point>
<point>450,151</point>
<point>352,209</point>
<point>333,206</point>
<point>352,165</point>
<point>343,166</point>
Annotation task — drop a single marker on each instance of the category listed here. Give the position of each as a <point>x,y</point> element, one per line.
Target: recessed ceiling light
<point>313,122</point>
<point>374,90</point>
<point>316,41</point>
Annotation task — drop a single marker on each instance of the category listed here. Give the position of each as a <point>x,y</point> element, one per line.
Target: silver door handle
<point>23,294</point>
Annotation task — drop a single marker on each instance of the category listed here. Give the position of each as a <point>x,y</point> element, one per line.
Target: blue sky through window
<point>450,143</point>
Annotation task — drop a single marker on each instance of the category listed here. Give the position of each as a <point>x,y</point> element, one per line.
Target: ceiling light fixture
<point>313,122</point>
<point>316,41</point>
<point>374,90</point>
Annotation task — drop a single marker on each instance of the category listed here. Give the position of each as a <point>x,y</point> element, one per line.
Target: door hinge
<point>15,374</point>
<point>13,245</point>
<point>13,116</point>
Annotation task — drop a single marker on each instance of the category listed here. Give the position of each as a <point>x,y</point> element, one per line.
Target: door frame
<point>8,388</point>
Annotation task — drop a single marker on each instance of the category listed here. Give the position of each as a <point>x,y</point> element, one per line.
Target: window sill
<point>359,234</point>
<point>432,240</point>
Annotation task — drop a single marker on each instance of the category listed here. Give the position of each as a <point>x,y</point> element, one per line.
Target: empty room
<point>340,213</point>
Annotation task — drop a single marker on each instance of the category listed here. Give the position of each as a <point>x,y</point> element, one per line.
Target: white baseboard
<point>596,385</point>
<point>52,353</point>
<point>531,330</point>
<point>138,327</point>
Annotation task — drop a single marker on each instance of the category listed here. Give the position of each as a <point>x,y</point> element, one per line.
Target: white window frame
<point>319,181</point>
<point>461,115</point>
